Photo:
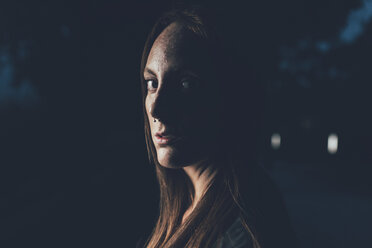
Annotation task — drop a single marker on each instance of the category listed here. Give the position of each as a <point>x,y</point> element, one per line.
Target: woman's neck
<point>200,174</point>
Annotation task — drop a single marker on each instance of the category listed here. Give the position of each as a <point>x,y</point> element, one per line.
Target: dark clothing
<point>236,236</point>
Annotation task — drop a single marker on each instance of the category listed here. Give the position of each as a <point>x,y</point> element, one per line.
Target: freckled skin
<point>193,114</point>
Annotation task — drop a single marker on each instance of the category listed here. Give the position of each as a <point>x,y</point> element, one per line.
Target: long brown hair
<point>222,202</point>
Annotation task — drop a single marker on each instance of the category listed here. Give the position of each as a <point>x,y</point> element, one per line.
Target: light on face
<point>332,143</point>
<point>275,141</point>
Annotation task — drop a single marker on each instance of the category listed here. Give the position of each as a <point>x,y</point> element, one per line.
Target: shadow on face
<point>182,102</point>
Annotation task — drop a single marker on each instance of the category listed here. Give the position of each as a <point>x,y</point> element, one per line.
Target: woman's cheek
<point>148,107</point>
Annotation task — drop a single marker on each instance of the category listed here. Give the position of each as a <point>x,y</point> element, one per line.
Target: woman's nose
<point>162,106</point>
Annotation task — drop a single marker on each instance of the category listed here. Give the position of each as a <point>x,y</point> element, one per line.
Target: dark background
<point>73,167</point>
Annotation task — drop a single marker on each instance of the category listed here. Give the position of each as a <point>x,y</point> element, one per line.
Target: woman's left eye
<point>186,84</point>
<point>189,84</point>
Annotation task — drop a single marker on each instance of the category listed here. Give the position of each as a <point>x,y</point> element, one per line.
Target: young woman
<point>211,193</point>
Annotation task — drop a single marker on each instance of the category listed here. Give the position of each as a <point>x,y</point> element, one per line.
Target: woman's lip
<point>165,140</point>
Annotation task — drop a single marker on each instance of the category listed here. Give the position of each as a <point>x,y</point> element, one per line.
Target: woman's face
<point>181,101</point>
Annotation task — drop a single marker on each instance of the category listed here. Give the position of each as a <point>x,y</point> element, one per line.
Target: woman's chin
<point>166,157</point>
<point>172,158</point>
<point>169,163</point>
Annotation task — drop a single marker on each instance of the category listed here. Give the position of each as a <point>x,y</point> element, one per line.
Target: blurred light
<point>275,141</point>
<point>356,22</point>
<point>332,143</point>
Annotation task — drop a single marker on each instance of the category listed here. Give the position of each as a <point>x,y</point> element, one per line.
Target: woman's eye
<point>151,85</point>
<point>189,84</point>
<point>186,84</point>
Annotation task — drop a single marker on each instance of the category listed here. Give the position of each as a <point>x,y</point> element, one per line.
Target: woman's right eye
<point>151,85</point>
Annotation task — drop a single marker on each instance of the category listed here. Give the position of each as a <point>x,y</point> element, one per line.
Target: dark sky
<point>73,165</point>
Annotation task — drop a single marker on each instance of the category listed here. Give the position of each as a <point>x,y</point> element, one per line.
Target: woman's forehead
<point>177,46</point>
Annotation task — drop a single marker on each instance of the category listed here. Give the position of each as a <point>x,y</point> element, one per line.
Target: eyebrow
<point>173,71</point>
<point>149,71</point>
